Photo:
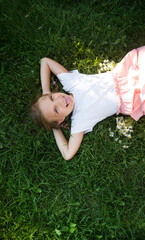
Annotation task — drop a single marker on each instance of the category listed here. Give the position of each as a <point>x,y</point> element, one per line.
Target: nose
<point>60,101</point>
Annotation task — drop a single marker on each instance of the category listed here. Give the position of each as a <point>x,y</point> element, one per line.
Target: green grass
<point>99,194</point>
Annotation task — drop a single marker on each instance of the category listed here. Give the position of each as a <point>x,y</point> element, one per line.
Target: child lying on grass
<point>91,98</point>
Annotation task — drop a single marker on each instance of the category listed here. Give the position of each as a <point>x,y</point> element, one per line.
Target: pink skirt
<point>129,77</point>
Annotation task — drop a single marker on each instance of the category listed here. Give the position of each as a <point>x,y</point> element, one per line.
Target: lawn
<point>99,194</point>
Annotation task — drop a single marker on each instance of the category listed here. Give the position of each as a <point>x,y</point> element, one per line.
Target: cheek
<point>64,112</point>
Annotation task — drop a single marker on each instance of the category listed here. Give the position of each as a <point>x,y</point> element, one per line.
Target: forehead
<point>47,109</point>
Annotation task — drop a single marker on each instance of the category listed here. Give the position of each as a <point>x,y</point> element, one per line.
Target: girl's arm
<point>68,149</point>
<point>47,66</point>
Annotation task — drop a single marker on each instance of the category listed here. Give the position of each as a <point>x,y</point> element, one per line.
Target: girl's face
<point>56,106</point>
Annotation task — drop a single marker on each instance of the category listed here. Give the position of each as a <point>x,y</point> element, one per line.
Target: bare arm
<point>68,149</point>
<point>47,66</point>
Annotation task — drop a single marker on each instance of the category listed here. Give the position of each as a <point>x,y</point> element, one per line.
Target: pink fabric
<point>129,77</point>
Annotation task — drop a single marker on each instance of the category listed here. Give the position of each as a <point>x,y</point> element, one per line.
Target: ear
<point>61,120</point>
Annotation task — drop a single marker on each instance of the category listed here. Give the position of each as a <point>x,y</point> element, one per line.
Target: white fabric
<point>94,96</point>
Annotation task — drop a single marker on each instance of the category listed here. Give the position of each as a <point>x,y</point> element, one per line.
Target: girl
<point>91,98</point>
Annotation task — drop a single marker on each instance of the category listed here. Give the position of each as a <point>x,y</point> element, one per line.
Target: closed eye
<point>56,110</point>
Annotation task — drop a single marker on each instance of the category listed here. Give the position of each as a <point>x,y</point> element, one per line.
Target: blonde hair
<point>38,117</point>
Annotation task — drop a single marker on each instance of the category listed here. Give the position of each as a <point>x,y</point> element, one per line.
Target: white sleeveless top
<point>94,96</point>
